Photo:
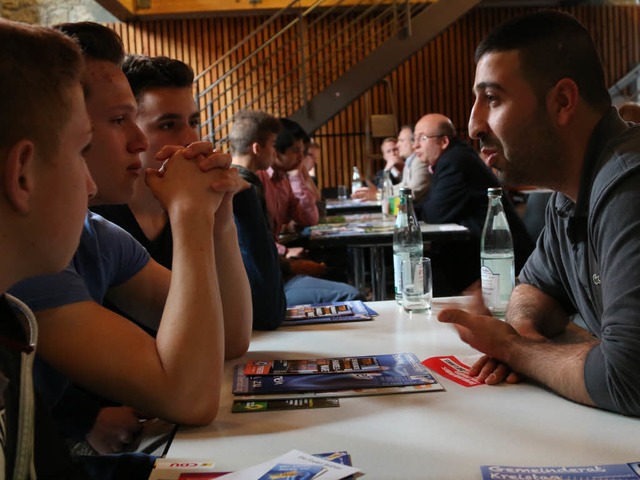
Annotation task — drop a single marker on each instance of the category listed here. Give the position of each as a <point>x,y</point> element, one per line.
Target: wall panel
<point>437,78</point>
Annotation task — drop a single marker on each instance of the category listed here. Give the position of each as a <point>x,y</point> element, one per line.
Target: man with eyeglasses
<point>458,194</point>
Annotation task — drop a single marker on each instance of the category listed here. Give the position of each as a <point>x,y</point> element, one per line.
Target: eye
<point>167,125</point>
<point>194,123</point>
<point>491,99</point>
<point>118,120</point>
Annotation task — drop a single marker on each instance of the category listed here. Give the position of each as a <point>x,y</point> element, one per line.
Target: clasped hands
<point>491,336</point>
<point>220,177</point>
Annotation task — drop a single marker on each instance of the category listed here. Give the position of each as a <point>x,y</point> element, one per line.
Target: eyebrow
<point>485,85</point>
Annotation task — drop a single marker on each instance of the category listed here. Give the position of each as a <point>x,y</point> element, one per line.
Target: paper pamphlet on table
<point>455,368</point>
<point>252,406</point>
<point>314,366</point>
<point>399,373</point>
<point>623,471</point>
<point>294,461</point>
<point>451,227</point>
<point>316,313</point>
<point>173,469</point>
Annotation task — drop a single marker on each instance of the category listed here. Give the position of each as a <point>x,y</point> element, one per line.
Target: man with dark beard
<point>543,116</point>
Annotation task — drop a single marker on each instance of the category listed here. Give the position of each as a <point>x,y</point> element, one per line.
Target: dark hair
<point>96,41</point>
<point>290,133</point>
<point>146,73</point>
<point>250,126</point>
<point>552,46</point>
<point>38,67</point>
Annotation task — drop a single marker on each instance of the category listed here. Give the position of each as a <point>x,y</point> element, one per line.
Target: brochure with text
<point>396,370</point>
<point>312,366</point>
<point>623,471</point>
<point>350,311</point>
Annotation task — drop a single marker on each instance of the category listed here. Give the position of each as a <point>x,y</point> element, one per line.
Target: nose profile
<point>138,142</point>
<point>92,188</point>
<point>477,124</point>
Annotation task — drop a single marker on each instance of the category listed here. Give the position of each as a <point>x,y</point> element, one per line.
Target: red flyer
<point>452,368</point>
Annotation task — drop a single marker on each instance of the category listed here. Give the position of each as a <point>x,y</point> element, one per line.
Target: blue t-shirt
<point>106,257</point>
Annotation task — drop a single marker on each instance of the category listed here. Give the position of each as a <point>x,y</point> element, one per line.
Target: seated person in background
<point>458,194</point>
<point>287,197</point>
<point>167,115</point>
<point>630,112</point>
<point>550,122</point>
<point>253,137</point>
<point>307,170</point>
<point>105,353</point>
<point>44,190</point>
<point>412,174</point>
<point>416,174</point>
<point>393,162</point>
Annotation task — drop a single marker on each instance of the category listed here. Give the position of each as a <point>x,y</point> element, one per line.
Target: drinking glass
<point>416,285</point>
<point>342,193</point>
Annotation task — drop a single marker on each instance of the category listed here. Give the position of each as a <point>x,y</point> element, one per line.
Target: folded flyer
<point>296,463</point>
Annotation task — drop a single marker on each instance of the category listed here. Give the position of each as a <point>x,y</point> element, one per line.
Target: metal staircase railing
<point>627,88</point>
<point>301,59</point>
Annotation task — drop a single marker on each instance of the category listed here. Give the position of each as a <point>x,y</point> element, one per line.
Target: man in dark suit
<point>458,194</point>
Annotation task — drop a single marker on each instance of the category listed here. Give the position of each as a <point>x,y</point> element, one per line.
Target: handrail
<point>240,44</point>
<point>372,23</point>
<point>626,81</point>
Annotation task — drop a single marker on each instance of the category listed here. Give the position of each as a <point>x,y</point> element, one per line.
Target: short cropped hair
<point>38,68</point>
<point>96,41</point>
<point>145,73</point>
<point>552,46</point>
<point>290,133</point>
<point>251,126</point>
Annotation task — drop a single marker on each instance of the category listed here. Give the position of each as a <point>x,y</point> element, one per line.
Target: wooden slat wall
<point>436,79</point>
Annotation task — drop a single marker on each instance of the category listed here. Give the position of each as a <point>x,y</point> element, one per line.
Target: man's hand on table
<point>487,369</point>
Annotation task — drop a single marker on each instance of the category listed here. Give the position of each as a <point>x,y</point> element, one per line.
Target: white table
<point>437,435</point>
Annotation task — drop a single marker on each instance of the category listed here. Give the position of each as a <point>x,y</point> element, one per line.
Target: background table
<point>342,207</point>
<point>437,435</point>
<point>372,233</point>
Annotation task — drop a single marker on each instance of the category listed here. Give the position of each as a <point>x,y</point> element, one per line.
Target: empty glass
<point>416,285</point>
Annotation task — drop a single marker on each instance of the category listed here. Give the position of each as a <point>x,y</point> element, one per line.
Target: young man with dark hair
<point>287,198</point>
<point>167,114</point>
<point>544,117</point>
<point>177,374</point>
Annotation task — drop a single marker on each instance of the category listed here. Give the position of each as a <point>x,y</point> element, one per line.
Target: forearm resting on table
<point>555,363</point>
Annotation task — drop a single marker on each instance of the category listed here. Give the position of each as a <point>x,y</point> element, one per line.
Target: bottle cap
<point>406,191</point>
<point>494,191</point>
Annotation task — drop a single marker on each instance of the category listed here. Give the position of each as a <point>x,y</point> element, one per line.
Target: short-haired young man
<point>44,189</point>
<point>253,138</point>
<point>200,320</point>
<point>543,116</point>
<point>167,114</point>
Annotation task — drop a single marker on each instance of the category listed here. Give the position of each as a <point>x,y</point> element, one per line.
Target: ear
<point>445,143</point>
<point>563,100</point>
<point>18,179</point>
<point>255,148</point>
